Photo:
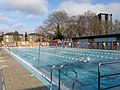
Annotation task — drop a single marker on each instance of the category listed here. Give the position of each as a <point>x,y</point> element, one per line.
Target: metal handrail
<point>65,76</point>
<point>109,75</point>
<point>101,76</point>
<point>51,75</point>
<point>62,66</point>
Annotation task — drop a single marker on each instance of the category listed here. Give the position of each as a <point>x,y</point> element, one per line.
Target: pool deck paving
<point>16,77</point>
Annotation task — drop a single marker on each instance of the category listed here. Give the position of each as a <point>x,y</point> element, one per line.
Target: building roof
<point>104,14</point>
<point>34,34</point>
<point>12,33</point>
<point>98,36</point>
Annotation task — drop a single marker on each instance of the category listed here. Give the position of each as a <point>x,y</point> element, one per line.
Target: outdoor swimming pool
<point>84,62</point>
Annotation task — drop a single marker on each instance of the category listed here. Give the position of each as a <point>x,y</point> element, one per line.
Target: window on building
<point>7,36</point>
<point>102,17</point>
<point>7,40</point>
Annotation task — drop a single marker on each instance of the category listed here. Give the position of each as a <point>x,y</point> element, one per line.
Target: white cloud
<point>10,22</point>
<point>6,20</point>
<point>26,6</point>
<point>6,30</point>
<point>72,7</point>
<point>31,16</point>
<point>82,1</point>
<point>19,25</point>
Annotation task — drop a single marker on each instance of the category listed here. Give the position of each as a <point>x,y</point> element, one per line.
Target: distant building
<point>105,23</point>
<point>103,41</point>
<point>8,39</point>
<point>33,37</point>
<point>105,16</point>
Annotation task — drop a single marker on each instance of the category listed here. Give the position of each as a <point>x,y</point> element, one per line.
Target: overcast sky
<point>27,15</point>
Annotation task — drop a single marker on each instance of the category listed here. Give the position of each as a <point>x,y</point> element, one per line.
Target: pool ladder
<point>107,75</point>
<point>59,77</point>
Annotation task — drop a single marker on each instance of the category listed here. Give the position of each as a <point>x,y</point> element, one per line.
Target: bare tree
<point>57,21</point>
<point>95,25</point>
<point>59,25</point>
<point>71,27</point>
<point>116,26</point>
<point>81,25</point>
<point>89,22</point>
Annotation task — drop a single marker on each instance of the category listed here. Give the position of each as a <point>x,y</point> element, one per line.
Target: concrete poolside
<point>16,77</point>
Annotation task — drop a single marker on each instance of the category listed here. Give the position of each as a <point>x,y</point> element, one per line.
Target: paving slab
<point>16,77</point>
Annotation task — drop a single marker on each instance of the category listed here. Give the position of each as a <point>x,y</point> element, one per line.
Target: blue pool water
<point>84,62</point>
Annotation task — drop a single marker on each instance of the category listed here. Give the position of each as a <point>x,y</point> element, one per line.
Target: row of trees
<point>59,25</point>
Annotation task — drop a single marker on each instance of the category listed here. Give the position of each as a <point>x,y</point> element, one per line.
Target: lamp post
<point>38,55</point>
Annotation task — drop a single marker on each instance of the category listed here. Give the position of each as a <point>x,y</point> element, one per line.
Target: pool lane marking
<point>106,57</point>
<point>68,57</point>
<point>76,59</point>
<point>91,52</point>
<point>84,55</point>
<point>72,58</point>
<point>111,57</point>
